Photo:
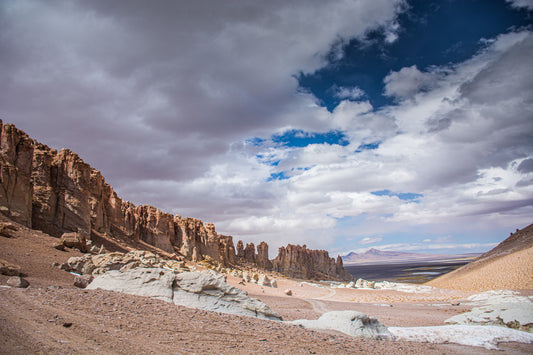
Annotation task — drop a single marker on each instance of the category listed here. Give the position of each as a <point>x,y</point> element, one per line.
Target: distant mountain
<point>378,256</point>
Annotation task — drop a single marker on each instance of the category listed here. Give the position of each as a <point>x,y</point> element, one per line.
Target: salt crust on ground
<point>349,322</point>
<point>386,285</point>
<point>472,335</point>
<point>502,307</point>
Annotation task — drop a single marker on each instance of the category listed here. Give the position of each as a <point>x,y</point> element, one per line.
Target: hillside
<point>508,265</point>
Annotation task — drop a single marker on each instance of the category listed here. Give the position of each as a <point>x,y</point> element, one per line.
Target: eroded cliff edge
<point>57,192</point>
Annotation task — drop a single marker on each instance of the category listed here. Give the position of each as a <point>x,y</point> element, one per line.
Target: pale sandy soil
<point>506,272</point>
<point>53,317</point>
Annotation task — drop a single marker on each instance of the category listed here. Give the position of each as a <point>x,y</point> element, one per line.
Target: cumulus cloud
<point>408,81</point>
<point>177,104</point>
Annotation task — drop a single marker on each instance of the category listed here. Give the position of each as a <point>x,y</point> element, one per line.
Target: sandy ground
<point>508,271</point>
<point>53,317</point>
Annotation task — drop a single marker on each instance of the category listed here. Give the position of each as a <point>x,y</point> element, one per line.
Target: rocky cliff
<point>299,262</point>
<point>57,192</point>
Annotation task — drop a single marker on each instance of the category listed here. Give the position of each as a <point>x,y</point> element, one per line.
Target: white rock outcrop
<point>349,322</point>
<point>201,290</point>
<point>503,308</point>
<point>473,335</point>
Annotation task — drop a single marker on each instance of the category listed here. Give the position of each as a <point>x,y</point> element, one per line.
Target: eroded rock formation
<point>299,262</point>
<point>57,193</point>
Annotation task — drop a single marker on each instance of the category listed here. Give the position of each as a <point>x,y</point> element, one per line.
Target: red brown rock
<point>57,193</point>
<point>249,253</point>
<point>74,240</point>
<point>299,262</point>
<point>16,153</point>
<point>262,257</point>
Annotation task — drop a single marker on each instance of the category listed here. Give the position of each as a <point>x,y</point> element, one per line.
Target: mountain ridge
<point>374,255</point>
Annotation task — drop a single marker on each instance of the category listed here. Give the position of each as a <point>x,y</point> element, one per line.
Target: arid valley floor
<point>54,317</point>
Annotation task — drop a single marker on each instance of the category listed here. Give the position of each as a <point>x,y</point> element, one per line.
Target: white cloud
<point>352,93</point>
<point>521,3</point>
<point>370,240</point>
<point>408,81</point>
<point>164,100</point>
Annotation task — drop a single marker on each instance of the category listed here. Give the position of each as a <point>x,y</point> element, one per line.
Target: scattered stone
<point>67,324</point>
<point>361,283</point>
<point>17,281</point>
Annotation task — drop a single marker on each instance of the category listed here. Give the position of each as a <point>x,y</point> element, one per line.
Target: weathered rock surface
<point>17,281</point>
<point>99,264</point>
<point>349,322</point>
<point>9,269</point>
<point>82,281</point>
<point>299,262</point>
<point>7,229</point>
<point>74,240</point>
<point>201,290</point>
<point>502,308</point>
<point>16,154</point>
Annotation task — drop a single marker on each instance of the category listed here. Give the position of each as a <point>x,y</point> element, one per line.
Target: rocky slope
<point>508,265</point>
<point>57,192</point>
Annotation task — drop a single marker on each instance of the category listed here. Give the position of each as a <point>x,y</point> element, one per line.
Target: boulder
<point>349,322</point>
<point>9,269</point>
<point>82,265</point>
<point>288,292</point>
<point>202,290</point>
<point>264,281</point>
<point>7,229</point>
<point>150,282</point>
<point>17,281</point>
<point>74,240</point>
<point>82,281</point>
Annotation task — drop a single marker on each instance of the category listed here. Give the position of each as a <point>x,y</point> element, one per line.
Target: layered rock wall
<point>57,192</point>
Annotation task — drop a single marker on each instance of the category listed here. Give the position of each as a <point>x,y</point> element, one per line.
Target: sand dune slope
<point>508,266</point>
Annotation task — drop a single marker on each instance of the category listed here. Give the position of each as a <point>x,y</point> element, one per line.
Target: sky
<point>343,125</point>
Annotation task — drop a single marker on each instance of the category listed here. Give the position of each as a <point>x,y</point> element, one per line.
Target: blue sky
<point>342,125</point>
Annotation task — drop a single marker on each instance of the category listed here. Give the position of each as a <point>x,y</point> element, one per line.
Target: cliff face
<point>58,192</point>
<point>299,262</point>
